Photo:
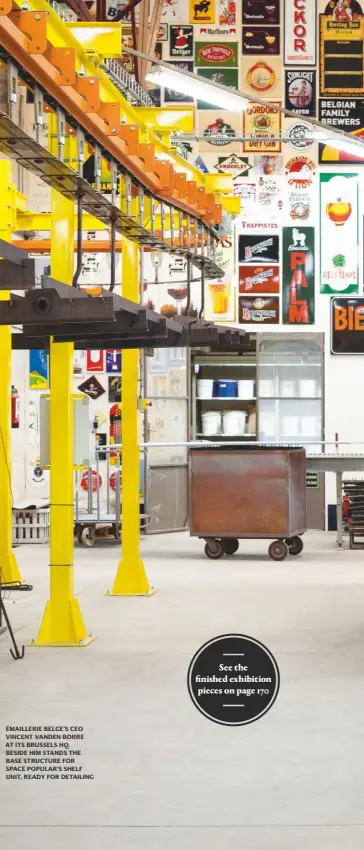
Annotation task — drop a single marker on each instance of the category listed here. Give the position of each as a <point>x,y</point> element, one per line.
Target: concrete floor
<point>166,778</point>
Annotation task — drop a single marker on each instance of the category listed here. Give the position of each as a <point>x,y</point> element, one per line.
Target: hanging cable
<point>112,254</point>
<point>188,303</point>
<point>200,315</point>
<point>79,241</point>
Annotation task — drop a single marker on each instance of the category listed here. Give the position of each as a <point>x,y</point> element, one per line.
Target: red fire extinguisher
<point>15,403</point>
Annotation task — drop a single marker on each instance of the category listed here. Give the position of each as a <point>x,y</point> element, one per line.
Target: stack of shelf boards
<point>353,490</point>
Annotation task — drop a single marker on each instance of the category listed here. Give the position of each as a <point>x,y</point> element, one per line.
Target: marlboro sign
<point>298,276</point>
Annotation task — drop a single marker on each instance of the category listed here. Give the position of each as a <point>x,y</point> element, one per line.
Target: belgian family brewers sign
<point>300,32</point>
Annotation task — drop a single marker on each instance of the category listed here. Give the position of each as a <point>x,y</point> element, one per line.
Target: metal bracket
<point>38,113</point>
<point>12,90</point>
<point>61,132</point>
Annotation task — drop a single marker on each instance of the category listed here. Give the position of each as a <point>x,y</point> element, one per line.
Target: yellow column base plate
<point>150,592</point>
<point>131,580</point>
<point>9,569</point>
<point>79,645</point>
<point>62,625</point>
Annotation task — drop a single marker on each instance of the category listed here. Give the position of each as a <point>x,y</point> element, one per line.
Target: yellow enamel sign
<point>202,11</point>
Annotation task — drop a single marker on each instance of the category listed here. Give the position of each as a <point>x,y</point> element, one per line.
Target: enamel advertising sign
<point>259,248</point>
<point>259,278</point>
<point>216,53</point>
<point>298,283</point>
<point>347,325</point>
<point>181,41</point>
<point>202,11</point>
<point>341,49</point>
<point>300,32</point>
<point>260,12</point>
<point>301,92</point>
<point>261,309</point>
<point>260,41</point>
<point>262,124</point>
<point>339,224</point>
<point>345,114</point>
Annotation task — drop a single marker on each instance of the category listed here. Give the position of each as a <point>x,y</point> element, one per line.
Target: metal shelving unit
<point>290,391</point>
<point>227,367</point>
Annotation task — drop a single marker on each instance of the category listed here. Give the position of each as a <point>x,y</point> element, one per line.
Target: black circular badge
<point>233,679</point>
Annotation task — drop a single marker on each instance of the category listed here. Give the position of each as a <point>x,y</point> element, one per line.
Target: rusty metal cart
<point>247,492</point>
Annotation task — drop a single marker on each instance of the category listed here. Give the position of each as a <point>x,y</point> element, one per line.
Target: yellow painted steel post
<point>62,623</point>
<point>8,564</point>
<point>131,578</point>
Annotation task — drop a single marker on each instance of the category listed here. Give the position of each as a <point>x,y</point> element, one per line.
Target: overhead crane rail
<point>68,314</point>
<point>187,212</point>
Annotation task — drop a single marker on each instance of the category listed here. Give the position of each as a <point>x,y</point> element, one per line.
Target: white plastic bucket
<point>290,426</point>
<point>205,388</point>
<point>307,388</point>
<point>266,388</point>
<point>233,422</point>
<point>246,389</point>
<point>211,423</point>
<point>287,388</point>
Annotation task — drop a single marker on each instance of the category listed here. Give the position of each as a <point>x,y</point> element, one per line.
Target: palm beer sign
<point>298,275</point>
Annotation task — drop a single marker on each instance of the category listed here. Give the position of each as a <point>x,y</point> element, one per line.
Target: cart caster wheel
<point>79,535</point>
<point>231,545</point>
<point>295,545</point>
<point>278,550</point>
<point>214,548</point>
<point>88,535</point>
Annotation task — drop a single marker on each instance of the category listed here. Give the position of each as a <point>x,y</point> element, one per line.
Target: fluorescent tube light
<point>199,89</point>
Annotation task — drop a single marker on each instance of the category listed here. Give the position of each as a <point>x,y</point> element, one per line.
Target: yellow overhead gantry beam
<point>87,63</point>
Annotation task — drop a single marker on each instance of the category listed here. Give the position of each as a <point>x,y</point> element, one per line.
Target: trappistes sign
<point>345,114</point>
<point>261,309</point>
<point>259,248</point>
<point>347,325</point>
<point>216,53</point>
<point>300,32</point>
<point>259,278</point>
<point>301,92</point>
<point>298,282</point>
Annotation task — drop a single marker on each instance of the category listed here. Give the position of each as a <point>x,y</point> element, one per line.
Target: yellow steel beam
<point>62,623</point>
<point>173,118</point>
<point>131,578</point>
<point>21,202</point>
<point>9,569</point>
<point>42,222</point>
<point>232,204</point>
<point>102,38</point>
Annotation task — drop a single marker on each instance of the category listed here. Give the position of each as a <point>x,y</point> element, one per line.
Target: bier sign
<point>347,325</point>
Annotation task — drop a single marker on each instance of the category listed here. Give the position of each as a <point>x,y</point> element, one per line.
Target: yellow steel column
<point>8,564</point>
<point>62,623</point>
<point>131,578</point>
